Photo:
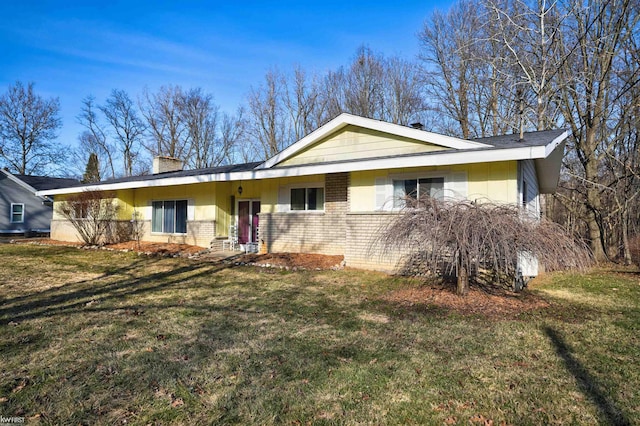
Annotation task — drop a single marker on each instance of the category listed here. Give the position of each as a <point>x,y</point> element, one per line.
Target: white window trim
<point>284,197</point>
<point>414,175</point>
<point>451,188</point>
<point>11,213</point>
<point>190,214</point>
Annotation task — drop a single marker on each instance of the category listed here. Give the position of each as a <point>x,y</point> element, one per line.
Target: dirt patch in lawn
<point>293,260</point>
<point>499,304</point>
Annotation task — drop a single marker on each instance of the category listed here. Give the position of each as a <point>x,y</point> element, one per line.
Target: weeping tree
<point>461,238</point>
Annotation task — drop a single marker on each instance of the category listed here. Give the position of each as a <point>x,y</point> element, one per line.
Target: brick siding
<point>361,250</point>
<point>310,232</point>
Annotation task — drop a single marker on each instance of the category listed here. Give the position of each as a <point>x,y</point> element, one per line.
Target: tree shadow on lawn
<point>609,413</point>
<point>68,298</point>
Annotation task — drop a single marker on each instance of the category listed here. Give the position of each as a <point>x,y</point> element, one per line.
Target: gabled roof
<point>545,147</point>
<point>39,183</point>
<point>344,120</point>
<point>42,183</point>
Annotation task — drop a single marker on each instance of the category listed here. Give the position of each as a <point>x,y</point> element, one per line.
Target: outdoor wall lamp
<point>240,190</point>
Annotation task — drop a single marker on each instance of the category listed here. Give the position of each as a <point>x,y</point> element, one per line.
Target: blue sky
<point>71,49</point>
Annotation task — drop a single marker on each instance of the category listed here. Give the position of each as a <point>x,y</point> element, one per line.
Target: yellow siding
<point>362,195</point>
<point>122,198</point>
<point>353,143</point>
<point>495,181</point>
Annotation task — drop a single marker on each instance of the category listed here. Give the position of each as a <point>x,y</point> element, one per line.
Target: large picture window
<point>169,217</point>
<point>17,213</point>
<point>307,199</point>
<point>414,189</point>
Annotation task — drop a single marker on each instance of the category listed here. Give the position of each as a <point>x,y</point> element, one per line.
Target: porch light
<point>240,190</point>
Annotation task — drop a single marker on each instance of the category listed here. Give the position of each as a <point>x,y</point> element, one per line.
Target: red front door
<point>248,221</point>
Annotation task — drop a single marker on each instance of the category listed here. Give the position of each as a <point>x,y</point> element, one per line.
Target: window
<point>169,217</point>
<point>17,213</point>
<point>307,199</point>
<point>416,189</point>
<point>80,210</point>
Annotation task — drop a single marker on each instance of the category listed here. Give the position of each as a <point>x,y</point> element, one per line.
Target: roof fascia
<point>550,147</point>
<point>345,119</point>
<point>439,159</point>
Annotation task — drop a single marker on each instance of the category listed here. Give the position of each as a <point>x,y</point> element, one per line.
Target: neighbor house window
<point>407,189</point>
<point>169,217</point>
<point>17,213</point>
<point>307,199</point>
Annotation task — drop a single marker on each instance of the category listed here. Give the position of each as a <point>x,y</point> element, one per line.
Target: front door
<point>248,221</point>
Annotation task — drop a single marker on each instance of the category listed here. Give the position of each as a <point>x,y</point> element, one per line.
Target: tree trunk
<point>463,277</point>
<point>626,249</point>
<point>594,201</point>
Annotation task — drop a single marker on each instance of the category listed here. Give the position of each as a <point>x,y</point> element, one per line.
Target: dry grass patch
<point>120,338</point>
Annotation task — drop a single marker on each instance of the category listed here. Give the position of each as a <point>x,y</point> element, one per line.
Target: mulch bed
<point>499,304</point>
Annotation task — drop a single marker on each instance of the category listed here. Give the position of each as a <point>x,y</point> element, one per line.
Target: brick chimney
<point>166,164</point>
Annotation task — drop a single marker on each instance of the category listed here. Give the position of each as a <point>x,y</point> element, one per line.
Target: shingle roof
<point>42,183</point>
<point>183,173</point>
<point>540,138</point>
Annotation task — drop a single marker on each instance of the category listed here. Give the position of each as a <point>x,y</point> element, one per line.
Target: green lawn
<point>92,337</point>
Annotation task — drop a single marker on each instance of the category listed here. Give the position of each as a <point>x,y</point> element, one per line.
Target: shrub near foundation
<point>94,215</point>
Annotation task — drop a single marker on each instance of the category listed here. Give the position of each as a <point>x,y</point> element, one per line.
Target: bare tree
<point>28,125</point>
<point>364,85</point>
<point>333,96</point>
<point>166,126</point>
<point>95,139</point>
<point>403,94</point>
<point>448,42</point>
<point>594,40</point>
<point>302,100</point>
<point>268,122</point>
<point>232,131</point>
<point>128,129</point>
<point>93,214</point>
<point>468,81</point>
<point>462,238</point>
<point>201,117</point>
<point>530,34</point>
